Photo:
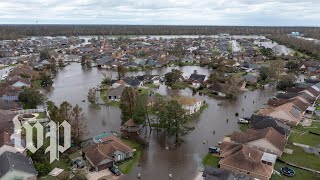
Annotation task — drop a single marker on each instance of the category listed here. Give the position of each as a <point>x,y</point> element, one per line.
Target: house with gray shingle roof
<point>16,166</point>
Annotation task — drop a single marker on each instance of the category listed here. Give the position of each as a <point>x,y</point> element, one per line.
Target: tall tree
<point>46,79</point>
<point>140,113</point>
<point>65,111</point>
<point>174,119</point>
<point>173,76</point>
<point>54,112</point>
<point>121,71</point>
<point>45,54</point>
<point>30,98</point>
<point>92,96</point>
<point>78,125</point>
<point>127,103</point>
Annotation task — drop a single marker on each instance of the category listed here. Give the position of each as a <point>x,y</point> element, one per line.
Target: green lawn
<point>62,163</point>
<point>300,174</point>
<point>143,91</point>
<point>301,135</point>
<point>179,85</point>
<point>74,155</point>
<point>210,160</point>
<point>151,85</point>
<point>244,127</point>
<point>301,158</point>
<point>41,115</point>
<point>126,166</point>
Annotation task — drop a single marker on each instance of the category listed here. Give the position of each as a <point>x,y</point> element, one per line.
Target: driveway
<point>97,175</point>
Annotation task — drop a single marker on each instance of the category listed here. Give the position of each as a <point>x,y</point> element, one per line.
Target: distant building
<point>190,104</point>
<point>295,34</point>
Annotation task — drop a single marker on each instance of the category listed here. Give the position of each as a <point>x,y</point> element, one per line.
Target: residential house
<point>250,79</point>
<point>105,62</point>
<point>108,151</point>
<point>173,59</point>
<point>9,93</point>
<point>190,104</point>
<point>16,166</point>
<point>10,105</point>
<point>267,140</point>
<point>130,126</point>
<point>259,122</point>
<point>242,159</point>
<point>287,113</point>
<point>18,82</point>
<point>197,79</point>
<point>6,143</point>
<point>116,93</point>
<point>187,59</point>
<point>219,89</point>
<point>72,58</point>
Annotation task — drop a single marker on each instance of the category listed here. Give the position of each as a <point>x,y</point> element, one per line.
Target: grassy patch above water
<point>244,127</point>
<point>210,160</point>
<point>300,174</point>
<point>126,166</point>
<point>301,158</point>
<point>301,134</point>
<point>179,85</point>
<point>151,85</point>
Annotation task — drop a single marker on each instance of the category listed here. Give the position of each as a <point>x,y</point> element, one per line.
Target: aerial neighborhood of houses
<point>162,86</point>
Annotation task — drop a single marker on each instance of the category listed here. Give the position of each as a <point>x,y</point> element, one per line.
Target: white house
<point>190,104</point>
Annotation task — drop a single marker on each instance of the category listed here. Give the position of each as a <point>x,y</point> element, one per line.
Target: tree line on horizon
<point>8,32</point>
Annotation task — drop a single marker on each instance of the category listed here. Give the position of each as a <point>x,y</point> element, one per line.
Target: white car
<point>243,121</point>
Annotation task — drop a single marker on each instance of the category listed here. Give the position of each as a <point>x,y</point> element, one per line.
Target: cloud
<point>171,12</point>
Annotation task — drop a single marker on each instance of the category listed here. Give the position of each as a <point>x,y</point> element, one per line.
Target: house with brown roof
<point>288,113</point>
<point>6,144</point>
<point>108,151</point>
<point>242,159</point>
<point>130,126</point>
<point>190,104</point>
<point>267,140</point>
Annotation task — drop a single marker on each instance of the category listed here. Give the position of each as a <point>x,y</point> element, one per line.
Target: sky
<point>162,12</point>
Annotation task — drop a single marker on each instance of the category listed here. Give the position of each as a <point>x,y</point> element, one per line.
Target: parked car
<point>115,171</point>
<point>244,120</point>
<point>287,171</point>
<point>79,163</point>
<point>214,150</point>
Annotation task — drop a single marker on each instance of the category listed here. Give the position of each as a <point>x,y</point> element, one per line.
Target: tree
<point>121,72</point>
<point>292,65</point>
<point>78,125</point>
<point>174,119</point>
<point>140,114</point>
<point>266,52</point>
<point>106,80</point>
<point>285,83</point>
<point>61,63</point>
<point>92,96</point>
<point>266,73</point>
<point>45,54</point>
<point>84,58</point>
<point>65,112</point>
<point>46,79</point>
<point>127,103</point>
<point>173,76</point>
<point>30,98</point>
<point>53,111</point>
<point>278,67</point>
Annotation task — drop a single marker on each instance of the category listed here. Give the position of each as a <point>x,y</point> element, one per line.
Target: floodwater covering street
<point>161,158</point>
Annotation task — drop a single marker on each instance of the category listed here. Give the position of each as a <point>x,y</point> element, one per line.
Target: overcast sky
<point>164,12</point>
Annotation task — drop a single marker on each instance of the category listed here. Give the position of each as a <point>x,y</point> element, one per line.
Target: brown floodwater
<point>162,157</point>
